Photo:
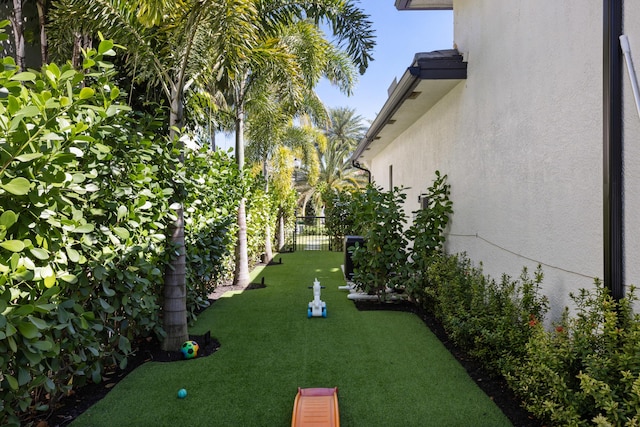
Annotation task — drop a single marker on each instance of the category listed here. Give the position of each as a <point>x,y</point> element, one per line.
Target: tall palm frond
<point>343,132</point>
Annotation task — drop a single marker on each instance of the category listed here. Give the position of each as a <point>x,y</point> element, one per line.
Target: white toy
<point>317,307</point>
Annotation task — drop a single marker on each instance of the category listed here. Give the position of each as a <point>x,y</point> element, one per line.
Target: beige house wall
<point>520,141</point>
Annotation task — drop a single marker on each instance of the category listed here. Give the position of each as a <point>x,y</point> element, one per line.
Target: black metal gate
<point>309,234</point>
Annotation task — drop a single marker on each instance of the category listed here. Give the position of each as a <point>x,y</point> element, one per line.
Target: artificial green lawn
<point>389,368</point>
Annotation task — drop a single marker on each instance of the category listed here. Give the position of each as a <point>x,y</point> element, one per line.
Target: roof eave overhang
<point>424,4</point>
<point>430,77</point>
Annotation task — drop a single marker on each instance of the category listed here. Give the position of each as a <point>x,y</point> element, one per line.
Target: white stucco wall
<point>520,140</point>
<point>632,151</point>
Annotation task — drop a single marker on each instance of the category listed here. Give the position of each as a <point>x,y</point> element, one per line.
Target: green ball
<point>190,349</point>
<point>182,393</point>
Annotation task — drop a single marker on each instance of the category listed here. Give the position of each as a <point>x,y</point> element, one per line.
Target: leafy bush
<point>84,189</point>
<point>339,216</point>
<point>212,187</point>
<point>380,262</point>
<point>260,212</point>
<point>586,370</point>
<point>491,320</point>
<point>427,235</point>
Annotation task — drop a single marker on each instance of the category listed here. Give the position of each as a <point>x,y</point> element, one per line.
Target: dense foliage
<point>85,189</point>
<point>489,319</point>
<point>339,221</point>
<point>212,185</point>
<point>380,263</point>
<point>586,369</point>
<point>386,261</point>
<point>86,186</point>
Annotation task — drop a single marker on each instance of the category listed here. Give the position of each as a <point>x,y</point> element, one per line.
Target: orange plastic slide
<point>316,407</point>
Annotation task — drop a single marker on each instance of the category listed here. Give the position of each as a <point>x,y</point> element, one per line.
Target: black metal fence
<point>309,234</point>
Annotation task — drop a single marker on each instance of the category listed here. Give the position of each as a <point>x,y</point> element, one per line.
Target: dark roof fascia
<point>436,65</point>
<point>406,5</point>
<point>439,65</point>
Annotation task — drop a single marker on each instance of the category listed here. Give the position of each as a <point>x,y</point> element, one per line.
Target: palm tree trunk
<point>268,250</point>
<point>212,137</point>
<point>175,290</point>
<point>175,287</point>
<point>241,272</point>
<point>280,231</point>
<point>44,44</point>
<point>18,34</point>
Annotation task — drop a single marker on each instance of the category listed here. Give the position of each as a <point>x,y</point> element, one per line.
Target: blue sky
<point>399,35</point>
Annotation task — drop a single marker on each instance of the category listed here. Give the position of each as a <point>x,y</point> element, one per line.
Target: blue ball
<point>182,393</point>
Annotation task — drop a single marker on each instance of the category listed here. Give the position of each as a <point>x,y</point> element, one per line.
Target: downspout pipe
<point>626,50</point>
<point>613,149</point>
<point>356,165</point>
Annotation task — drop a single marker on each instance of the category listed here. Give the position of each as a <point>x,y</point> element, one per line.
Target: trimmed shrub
<point>381,262</point>
<point>427,236</point>
<point>84,189</point>
<point>586,369</point>
<point>212,187</point>
<point>490,320</point>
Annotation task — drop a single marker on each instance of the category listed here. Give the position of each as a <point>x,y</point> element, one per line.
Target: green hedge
<point>85,192</point>
<point>585,370</point>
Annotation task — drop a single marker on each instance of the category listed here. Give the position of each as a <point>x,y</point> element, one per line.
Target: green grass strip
<point>389,368</point>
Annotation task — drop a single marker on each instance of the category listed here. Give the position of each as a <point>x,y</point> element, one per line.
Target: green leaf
<point>24,310</point>
<point>13,245</point>
<point>18,186</point>
<point>39,323</point>
<point>108,291</point>
<point>86,93</point>
<point>86,228</point>
<point>24,158</point>
<point>10,331</point>
<point>105,46</point>
<point>122,212</point>
<point>13,383</point>
<point>23,376</point>
<point>43,345</point>
<point>123,233</point>
<point>28,330</point>
<point>73,255</point>
<point>34,358</point>
<point>69,278</point>
<point>39,253</point>
<point>28,111</point>
<point>88,63</point>
<point>49,281</point>
<point>102,148</point>
<point>25,76</point>
<point>8,218</point>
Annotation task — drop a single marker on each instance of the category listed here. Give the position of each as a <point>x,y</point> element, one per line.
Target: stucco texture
<point>520,141</point>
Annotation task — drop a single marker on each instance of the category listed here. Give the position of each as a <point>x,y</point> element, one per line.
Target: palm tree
<point>275,110</point>
<point>274,60</point>
<point>343,132</point>
<point>172,43</point>
<point>169,43</point>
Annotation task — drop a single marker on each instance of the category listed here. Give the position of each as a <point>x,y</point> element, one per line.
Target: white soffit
<point>425,95</point>
<point>424,4</point>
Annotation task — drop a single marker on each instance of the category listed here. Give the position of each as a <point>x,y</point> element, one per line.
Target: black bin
<point>349,243</point>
